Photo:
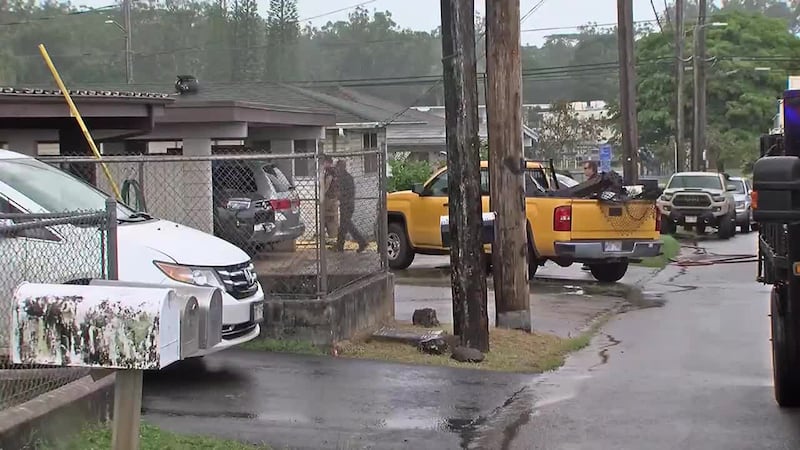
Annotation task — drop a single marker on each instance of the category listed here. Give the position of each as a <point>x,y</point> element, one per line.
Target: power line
<point>60,16</point>
<point>330,13</point>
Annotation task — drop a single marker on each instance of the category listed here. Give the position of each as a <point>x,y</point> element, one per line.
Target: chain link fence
<point>54,248</point>
<point>303,241</point>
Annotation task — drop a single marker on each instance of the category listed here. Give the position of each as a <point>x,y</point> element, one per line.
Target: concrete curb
<point>58,413</point>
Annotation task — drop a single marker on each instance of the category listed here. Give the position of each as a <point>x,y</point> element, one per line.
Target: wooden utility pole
<point>627,91</point>
<point>506,175</point>
<point>470,315</point>
<point>699,60</point>
<point>680,149</point>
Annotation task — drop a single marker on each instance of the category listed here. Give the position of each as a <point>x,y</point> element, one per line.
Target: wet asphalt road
<point>694,373</point>
<point>300,402</point>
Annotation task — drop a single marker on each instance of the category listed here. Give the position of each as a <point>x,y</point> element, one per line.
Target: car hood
<point>682,190</point>
<point>183,244</point>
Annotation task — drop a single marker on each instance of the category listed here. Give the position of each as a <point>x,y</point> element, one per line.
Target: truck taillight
<point>754,200</point>
<point>562,218</point>
<point>658,218</point>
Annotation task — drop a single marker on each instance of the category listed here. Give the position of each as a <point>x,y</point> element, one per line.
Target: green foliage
<point>741,100</point>
<point>561,129</point>
<point>283,32</point>
<point>406,173</point>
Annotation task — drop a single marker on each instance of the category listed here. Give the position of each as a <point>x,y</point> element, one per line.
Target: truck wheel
<point>785,361</point>
<point>400,253</point>
<point>727,227</point>
<point>667,226</point>
<point>609,272</point>
<point>745,227</point>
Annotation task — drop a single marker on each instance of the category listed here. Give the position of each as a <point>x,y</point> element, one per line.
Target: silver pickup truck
<point>697,200</point>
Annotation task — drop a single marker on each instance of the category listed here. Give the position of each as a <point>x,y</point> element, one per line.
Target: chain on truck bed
<point>631,215</point>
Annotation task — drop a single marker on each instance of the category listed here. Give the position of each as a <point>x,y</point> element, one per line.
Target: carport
<point>129,123</point>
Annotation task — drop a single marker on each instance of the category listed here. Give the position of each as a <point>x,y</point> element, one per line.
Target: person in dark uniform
<point>347,206</point>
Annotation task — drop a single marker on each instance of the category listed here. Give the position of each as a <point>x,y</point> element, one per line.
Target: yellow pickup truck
<point>604,235</point>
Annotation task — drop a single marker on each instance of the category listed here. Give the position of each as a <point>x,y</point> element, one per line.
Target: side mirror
<point>418,188</point>
<point>731,188</point>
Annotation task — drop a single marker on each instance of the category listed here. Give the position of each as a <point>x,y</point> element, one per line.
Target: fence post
<point>128,383</point>
<point>383,220</point>
<point>322,267</point>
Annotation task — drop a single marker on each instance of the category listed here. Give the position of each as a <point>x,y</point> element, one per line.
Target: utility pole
<point>506,174</point>
<point>470,315</point>
<point>126,20</point>
<point>699,60</point>
<point>627,92</point>
<point>680,153</point>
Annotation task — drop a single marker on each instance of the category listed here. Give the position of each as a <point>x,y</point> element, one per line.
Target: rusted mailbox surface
<point>95,326</point>
<point>209,310</point>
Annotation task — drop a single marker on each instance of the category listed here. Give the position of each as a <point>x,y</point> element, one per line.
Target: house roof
<point>347,104</point>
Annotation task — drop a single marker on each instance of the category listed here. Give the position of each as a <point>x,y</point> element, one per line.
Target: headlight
<point>666,197</point>
<point>740,205</point>
<point>197,276</point>
<point>718,199</point>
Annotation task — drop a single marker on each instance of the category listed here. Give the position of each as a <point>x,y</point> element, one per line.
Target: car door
<point>427,211</point>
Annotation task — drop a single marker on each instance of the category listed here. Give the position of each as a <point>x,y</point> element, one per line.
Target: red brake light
<point>658,218</point>
<point>562,218</point>
<point>281,205</point>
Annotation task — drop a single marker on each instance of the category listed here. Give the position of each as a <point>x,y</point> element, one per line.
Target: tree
<point>247,36</point>
<point>282,32</point>
<point>741,99</point>
<point>562,130</point>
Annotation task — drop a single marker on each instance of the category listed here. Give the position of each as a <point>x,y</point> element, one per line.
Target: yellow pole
<point>74,110</point>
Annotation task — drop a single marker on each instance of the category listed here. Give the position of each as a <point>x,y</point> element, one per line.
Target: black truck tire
<point>727,227</point>
<point>399,249</point>
<point>609,272</point>
<point>667,225</point>
<point>785,354</point>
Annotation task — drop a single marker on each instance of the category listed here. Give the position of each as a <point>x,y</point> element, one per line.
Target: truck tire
<point>785,355</point>
<point>667,226</point>
<point>727,227</point>
<point>609,272</point>
<point>399,250</point>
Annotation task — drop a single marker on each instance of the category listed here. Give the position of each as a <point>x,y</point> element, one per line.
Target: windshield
<point>695,181</point>
<point>739,185</point>
<point>52,189</point>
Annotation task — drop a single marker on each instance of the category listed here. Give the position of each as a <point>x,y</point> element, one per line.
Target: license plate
<point>612,246</point>
<point>258,312</point>
<point>691,219</point>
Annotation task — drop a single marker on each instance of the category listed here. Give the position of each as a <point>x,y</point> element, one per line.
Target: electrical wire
<point>59,16</point>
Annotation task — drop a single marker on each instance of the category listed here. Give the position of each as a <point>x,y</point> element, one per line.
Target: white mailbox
<point>116,327</point>
<point>209,311</point>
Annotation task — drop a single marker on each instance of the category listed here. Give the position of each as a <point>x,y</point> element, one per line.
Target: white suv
<point>696,200</point>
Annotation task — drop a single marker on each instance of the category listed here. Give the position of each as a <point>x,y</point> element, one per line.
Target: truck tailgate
<point>592,219</point>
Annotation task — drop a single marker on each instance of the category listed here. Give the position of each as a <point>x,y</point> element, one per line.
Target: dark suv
<point>255,204</point>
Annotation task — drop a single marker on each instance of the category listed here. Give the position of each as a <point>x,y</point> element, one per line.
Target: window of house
<point>371,160</point>
<point>304,167</point>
